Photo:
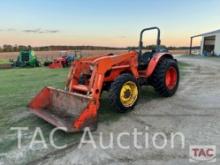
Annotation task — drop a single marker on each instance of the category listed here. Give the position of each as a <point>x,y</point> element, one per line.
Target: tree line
<point>16,48</point>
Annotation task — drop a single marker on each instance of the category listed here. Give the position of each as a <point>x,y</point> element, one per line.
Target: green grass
<point>183,65</point>
<point>18,86</point>
<point>4,61</point>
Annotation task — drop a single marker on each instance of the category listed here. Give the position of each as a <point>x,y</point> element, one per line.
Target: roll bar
<point>141,37</point>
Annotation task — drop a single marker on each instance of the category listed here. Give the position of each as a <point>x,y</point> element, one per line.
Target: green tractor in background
<point>27,58</point>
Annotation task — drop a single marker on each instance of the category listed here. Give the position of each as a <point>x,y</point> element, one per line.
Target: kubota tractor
<point>63,61</point>
<point>122,75</point>
<point>59,62</point>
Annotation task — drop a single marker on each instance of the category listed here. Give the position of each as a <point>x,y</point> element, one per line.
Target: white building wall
<point>217,44</point>
<point>201,47</point>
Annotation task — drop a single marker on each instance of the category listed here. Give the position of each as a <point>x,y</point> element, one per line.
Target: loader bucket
<point>64,109</point>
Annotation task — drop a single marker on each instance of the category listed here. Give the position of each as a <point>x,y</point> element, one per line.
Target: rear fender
<point>154,61</point>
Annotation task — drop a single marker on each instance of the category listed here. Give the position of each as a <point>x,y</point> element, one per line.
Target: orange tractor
<point>61,62</point>
<point>122,75</point>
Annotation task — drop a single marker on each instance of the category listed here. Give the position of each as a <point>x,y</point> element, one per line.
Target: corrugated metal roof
<point>212,32</point>
<point>208,33</point>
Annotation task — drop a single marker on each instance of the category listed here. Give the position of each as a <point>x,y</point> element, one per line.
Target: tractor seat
<point>144,60</point>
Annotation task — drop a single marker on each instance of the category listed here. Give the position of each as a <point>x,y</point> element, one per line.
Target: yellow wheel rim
<point>128,94</point>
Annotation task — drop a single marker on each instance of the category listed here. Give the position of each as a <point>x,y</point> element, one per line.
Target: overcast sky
<point>104,23</point>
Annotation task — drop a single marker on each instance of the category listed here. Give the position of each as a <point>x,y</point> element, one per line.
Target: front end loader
<point>122,75</point>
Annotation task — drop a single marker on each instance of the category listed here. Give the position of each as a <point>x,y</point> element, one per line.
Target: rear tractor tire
<point>124,93</point>
<point>165,78</point>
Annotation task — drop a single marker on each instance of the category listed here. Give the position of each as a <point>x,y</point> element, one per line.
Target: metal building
<point>210,43</point>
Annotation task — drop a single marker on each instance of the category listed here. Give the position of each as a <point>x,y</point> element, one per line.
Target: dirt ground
<point>52,54</point>
<point>193,111</point>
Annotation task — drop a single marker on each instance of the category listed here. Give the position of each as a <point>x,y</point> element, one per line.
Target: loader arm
<point>99,67</point>
<point>106,63</point>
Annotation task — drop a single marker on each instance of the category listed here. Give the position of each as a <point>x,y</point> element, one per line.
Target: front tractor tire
<point>165,78</point>
<point>124,93</point>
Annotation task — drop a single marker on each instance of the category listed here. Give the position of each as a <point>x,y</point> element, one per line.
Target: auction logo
<point>202,153</point>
